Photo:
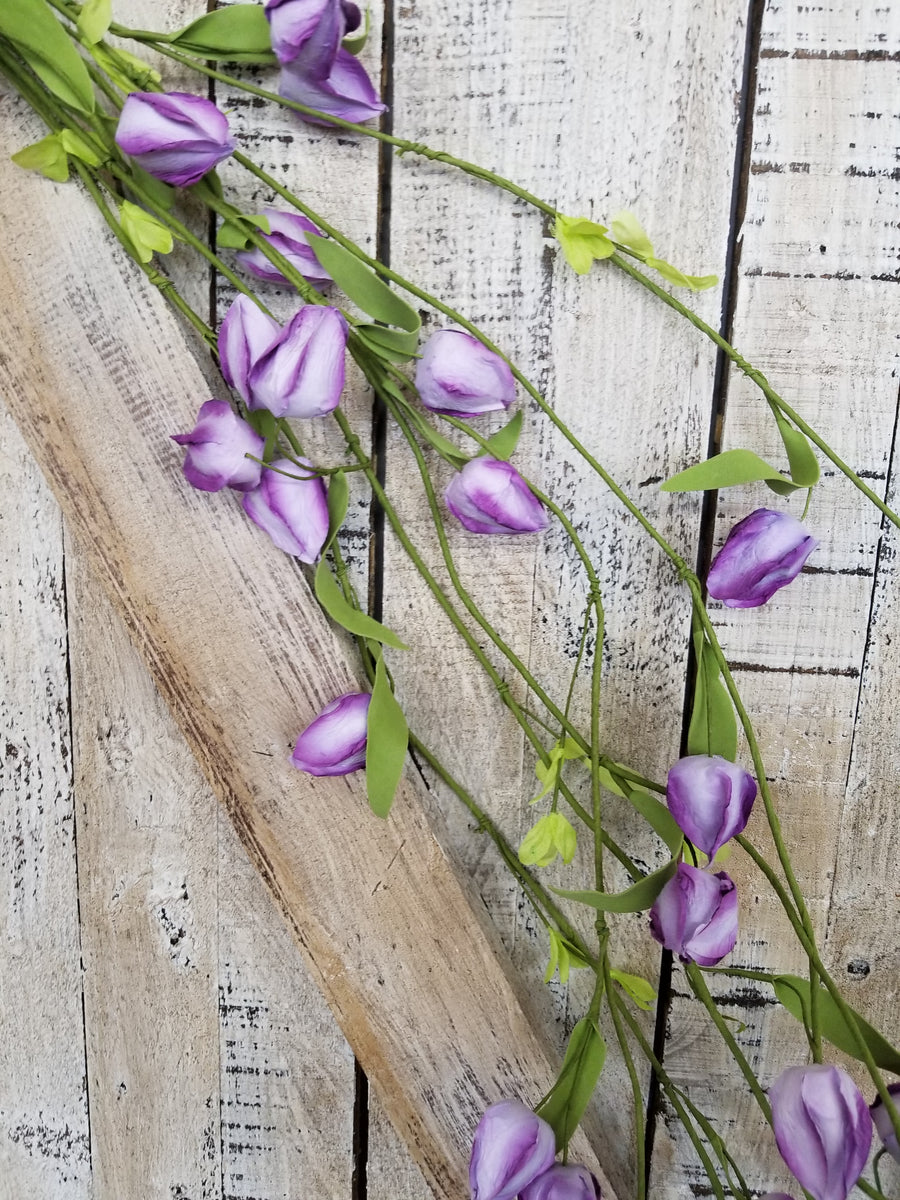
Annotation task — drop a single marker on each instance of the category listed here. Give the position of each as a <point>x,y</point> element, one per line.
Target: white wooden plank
<point>44,1139</point>
<point>814,312</point>
<point>594,122</point>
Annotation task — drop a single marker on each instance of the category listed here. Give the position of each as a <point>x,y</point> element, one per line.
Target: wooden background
<point>160,1034</point>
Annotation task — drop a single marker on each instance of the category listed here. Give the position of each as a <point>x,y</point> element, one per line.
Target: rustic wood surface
<point>163,1035</point>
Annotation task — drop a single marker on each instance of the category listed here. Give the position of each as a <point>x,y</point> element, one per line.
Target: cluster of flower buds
<point>173,136</point>
<point>316,69</point>
<point>696,913</point>
<point>513,1154</point>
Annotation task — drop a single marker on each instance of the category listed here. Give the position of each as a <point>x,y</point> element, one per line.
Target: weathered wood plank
<point>593,112</point>
<point>226,610</point>
<point>44,1132</point>
<point>815,313</point>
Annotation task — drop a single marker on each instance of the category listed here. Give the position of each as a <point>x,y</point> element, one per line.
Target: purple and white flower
<point>173,136</point>
<point>335,742</point>
<point>218,446</point>
<point>244,335</point>
<point>490,496</point>
<point>696,915</point>
<point>883,1121</point>
<point>459,376</point>
<point>761,554</point>
<point>301,374</point>
<point>310,31</point>
<point>287,235</point>
<point>512,1146</point>
<point>822,1127</point>
<point>345,92</point>
<point>563,1183</point>
<point>292,508</point>
<point>710,798</point>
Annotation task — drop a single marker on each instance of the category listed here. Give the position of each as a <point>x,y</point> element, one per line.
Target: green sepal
<point>697,283</point>
<point>729,469</point>
<point>144,231</point>
<point>48,157</point>
<point>239,33</point>
<point>73,143</point>
<point>42,41</point>
<point>553,834</point>
<point>233,233</point>
<point>793,992</point>
<point>355,43</point>
<point>330,596</point>
<point>564,1105</point>
<point>641,990</point>
<point>563,957</point>
<point>93,20</point>
<point>502,444</point>
<point>627,229</point>
<point>387,740</point>
<point>634,899</point>
<point>713,725</point>
<point>582,241</point>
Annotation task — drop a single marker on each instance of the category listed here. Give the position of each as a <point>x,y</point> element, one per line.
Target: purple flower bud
<point>244,335</point>
<point>310,31</point>
<point>490,496</point>
<point>563,1183</point>
<point>174,136</point>
<point>335,742</point>
<point>218,446</point>
<point>511,1147</point>
<point>761,554</point>
<point>776,1196</point>
<point>459,376</point>
<point>822,1127</point>
<point>696,915</point>
<point>710,798</point>
<point>288,237</point>
<point>883,1121</point>
<point>346,92</point>
<point>291,508</point>
<point>301,374</point>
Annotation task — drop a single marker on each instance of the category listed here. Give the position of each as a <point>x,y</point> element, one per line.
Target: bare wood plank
<point>814,312</point>
<point>381,954</point>
<point>44,1133</point>
<point>595,122</point>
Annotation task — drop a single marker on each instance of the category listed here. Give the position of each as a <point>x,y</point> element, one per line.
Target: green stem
<point>636,1093</point>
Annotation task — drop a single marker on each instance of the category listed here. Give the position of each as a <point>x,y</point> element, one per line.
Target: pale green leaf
<point>94,19</point>
<point>566,1101</point>
<point>126,70</point>
<point>144,231</point>
<point>74,144</point>
<point>697,283</point>
<point>47,157</point>
<point>387,739</point>
<point>641,991</point>
<point>549,836</point>
<point>627,229</point>
<point>582,242</point>
<point>728,469</point>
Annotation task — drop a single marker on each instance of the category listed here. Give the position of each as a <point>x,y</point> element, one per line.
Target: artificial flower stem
<point>640,1124</point>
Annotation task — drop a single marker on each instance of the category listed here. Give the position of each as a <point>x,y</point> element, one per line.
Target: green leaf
<point>563,955</point>
<point>43,43</point>
<point>803,462</point>
<point>697,283</point>
<point>713,726</point>
<point>549,836</point>
<point>627,229</point>
<point>47,157</point>
<point>330,596</point>
<point>566,1101</point>
<point>387,738</point>
<point>395,345</point>
<point>145,232</point>
<point>634,899</point>
<point>94,19</point>
<point>582,241</point>
<point>73,143</point>
<point>233,233</point>
<point>728,469</point>
<point>364,288</point>
<point>356,42</point>
<point>502,444</point>
<point>125,69</point>
<point>793,992</point>
<point>239,33</point>
<point>658,818</point>
<point>338,502</point>
<point>641,990</point>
